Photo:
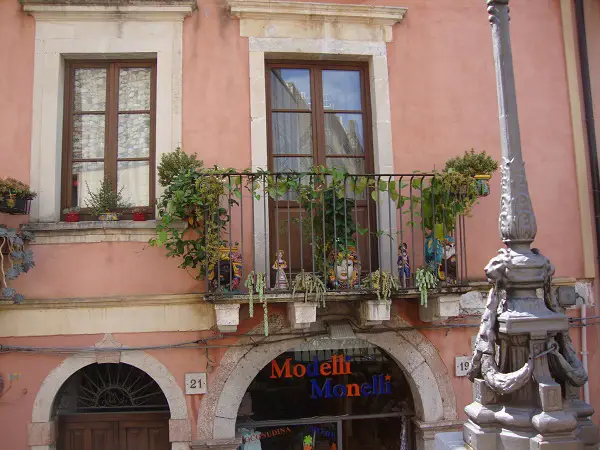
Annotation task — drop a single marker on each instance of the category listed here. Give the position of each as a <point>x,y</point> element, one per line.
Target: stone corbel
<point>302,314</point>
<point>374,312</point>
<point>228,316</point>
<point>440,308</point>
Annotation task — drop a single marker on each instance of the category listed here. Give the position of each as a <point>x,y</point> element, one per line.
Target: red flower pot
<point>139,216</point>
<point>72,217</point>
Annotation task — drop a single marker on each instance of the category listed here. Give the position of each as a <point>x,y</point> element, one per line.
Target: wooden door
<point>133,431</point>
<point>89,435</point>
<point>143,435</point>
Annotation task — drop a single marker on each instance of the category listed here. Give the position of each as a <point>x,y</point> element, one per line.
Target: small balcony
<point>324,234</point>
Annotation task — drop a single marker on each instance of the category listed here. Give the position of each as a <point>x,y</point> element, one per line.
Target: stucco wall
<point>443,101</point>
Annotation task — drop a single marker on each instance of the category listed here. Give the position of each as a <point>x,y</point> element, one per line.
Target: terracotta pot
<point>108,217</point>
<point>72,217</point>
<point>139,216</point>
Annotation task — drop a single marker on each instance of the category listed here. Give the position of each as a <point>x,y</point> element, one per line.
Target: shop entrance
<point>328,394</point>
<point>112,407</point>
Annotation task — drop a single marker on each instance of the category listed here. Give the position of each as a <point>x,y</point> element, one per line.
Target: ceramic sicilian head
<point>344,269</point>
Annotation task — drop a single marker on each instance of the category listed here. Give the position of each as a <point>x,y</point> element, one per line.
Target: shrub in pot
<point>106,202</point>
<point>15,196</point>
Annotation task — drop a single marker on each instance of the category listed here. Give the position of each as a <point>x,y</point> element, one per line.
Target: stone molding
<point>308,11</point>
<point>162,313</point>
<point>92,232</point>
<point>430,382</point>
<point>98,10</point>
<point>42,421</point>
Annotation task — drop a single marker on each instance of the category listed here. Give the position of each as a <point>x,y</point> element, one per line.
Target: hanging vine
<point>425,280</point>
<point>309,283</point>
<point>256,282</point>
<point>14,260</point>
<point>383,282</point>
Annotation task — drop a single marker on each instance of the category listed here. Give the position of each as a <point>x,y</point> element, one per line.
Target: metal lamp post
<point>524,368</point>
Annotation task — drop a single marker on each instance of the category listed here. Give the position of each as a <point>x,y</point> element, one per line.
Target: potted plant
<point>15,196</point>
<point>452,192</point>
<point>106,201</point>
<point>71,214</point>
<point>139,214</point>
<point>478,166</point>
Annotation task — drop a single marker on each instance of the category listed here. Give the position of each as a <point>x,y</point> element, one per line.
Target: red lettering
<point>353,390</point>
<point>278,372</point>
<point>325,369</point>
<point>299,370</point>
<point>334,360</point>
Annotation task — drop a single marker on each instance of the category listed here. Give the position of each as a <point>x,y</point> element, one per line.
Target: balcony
<point>323,235</point>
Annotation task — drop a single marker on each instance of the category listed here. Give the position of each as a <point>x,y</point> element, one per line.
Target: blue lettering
<point>312,369</point>
<point>365,389</point>
<point>339,390</point>
<point>325,391</point>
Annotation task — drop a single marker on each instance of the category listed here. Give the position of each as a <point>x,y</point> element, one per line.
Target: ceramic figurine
<point>447,268</point>
<point>280,265</point>
<point>403,264</point>
<point>344,269</point>
<point>228,270</point>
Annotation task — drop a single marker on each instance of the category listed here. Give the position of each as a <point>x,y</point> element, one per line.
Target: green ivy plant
<point>256,282</point>
<point>15,260</point>
<point>197,198</point>
<point>425,280</point>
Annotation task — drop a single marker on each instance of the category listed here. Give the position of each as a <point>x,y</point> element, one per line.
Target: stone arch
<point>42,432</point>
<point>428,377</point>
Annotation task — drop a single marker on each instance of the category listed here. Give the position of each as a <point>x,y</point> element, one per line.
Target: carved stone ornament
<point>524,366</point>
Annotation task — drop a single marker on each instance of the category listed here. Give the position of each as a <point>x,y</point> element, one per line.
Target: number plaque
<point>195,383</point>
<point>462,365</point>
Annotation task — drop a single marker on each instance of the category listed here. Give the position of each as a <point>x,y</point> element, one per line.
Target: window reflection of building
<point>292,132</point>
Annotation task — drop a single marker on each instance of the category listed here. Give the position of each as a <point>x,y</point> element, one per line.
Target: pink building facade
<point>115,346</point>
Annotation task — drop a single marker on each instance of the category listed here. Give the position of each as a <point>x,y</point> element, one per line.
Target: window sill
<point>91,232</point>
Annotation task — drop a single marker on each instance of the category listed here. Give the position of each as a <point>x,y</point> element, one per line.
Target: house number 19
<point>462,365</point>
<point>195,383</point>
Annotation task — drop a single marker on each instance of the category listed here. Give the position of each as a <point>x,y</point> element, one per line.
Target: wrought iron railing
<point>342,230</point>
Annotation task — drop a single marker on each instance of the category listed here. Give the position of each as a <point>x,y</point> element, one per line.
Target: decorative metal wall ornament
<point>525,370</point>
<point>110,387</point>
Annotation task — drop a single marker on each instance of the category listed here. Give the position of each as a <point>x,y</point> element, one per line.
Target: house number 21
<point>195,383</point>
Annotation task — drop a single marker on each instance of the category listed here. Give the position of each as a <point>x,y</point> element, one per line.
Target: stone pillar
<point>523,361</point>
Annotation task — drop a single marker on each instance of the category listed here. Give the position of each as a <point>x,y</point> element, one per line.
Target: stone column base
<point>426,431</point>
<point>216,444</point>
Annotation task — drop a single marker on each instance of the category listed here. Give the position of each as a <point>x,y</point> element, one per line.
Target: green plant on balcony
<point>175,163</point>
<point>15,260</point>
<point>450,193</point>
<point>195,196</point>
<point>383,282</point>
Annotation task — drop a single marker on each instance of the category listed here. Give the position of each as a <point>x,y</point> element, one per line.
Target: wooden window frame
<point>318,111</point>
<point>111,114</point>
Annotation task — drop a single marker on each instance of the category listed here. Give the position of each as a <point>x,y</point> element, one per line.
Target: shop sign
<point>339,365</point>
<point>259,435</point>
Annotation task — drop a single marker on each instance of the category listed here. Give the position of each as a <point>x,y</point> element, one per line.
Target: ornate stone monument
<point>526,373</point>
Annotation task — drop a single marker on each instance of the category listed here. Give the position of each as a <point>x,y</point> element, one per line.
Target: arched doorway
<point>111,406</point>
<point>328,394</point>
<point>428,377</point>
